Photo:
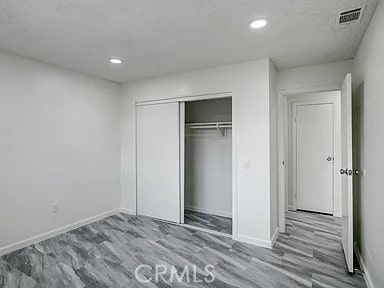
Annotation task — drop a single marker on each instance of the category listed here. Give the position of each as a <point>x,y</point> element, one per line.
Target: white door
<point>314,157</point>
<point>347,171</point>
<point>158,161</point>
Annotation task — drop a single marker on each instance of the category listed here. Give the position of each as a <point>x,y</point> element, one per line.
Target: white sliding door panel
<point>315,157</point>
<point>158,161</point>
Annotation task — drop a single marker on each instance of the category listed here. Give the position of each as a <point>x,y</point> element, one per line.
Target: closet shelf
<point>219,126</point>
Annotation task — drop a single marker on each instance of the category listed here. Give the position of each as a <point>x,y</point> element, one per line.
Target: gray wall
<point>368,79</point>
<point>59,142</point>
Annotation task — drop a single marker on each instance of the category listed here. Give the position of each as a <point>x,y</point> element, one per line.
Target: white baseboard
<point>208,211</point>
<point>253,241</point>
<point>274,236</point>
<point>44,236</point>
<point>127,211</point>
<point>366,275</point>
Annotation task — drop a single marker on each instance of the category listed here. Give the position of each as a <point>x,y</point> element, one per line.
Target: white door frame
<point>182,159</point>
<point>181,100</point>
<point>315,99</point>
<point>283,145</point>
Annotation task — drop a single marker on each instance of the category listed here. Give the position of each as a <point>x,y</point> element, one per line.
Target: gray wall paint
<point>368,79</point>
<point>59,142</point>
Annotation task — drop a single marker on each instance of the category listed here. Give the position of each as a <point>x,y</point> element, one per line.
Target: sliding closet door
<point>158,160</point>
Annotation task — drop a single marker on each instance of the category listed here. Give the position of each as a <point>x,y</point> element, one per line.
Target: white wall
<point>328,76</point>
<point>208,159</point>
<point>249,84</point>
<point>368,78</point>
<point>273,146</point>
<point>59,142</point>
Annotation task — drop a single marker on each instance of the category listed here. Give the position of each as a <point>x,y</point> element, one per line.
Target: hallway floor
<point>107,253</point>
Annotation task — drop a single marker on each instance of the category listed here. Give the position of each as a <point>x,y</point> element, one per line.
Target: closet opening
<point>208,165</point>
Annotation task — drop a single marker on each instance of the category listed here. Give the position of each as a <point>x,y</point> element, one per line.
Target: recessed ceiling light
<point>115,61</point>
<point>258,23</point>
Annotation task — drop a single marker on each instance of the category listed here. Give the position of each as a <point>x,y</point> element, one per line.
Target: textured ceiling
<point>158,37</point>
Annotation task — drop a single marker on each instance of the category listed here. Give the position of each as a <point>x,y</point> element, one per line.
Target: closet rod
<point>210,125</point>
<point>219,126</point>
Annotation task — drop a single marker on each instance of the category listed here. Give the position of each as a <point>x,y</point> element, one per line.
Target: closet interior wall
<point>208,158</point>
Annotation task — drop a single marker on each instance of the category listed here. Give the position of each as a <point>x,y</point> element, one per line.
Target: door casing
<point>282,131</point>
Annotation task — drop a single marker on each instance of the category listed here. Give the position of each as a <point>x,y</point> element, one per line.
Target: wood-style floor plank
<point>207,221</point>
<point>106,254</point>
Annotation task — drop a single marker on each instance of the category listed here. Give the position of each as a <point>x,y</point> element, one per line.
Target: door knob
<point>329,158</point>
<point>349,172</point>
<point>344,171</point>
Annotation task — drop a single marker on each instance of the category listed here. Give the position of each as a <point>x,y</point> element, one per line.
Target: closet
<point>208,164</point>
<point>184,162</point>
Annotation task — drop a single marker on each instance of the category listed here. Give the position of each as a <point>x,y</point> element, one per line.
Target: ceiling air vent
<point>350,16</point>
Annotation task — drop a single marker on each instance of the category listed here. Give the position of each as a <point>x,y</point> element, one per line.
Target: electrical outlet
<point>55,207</point>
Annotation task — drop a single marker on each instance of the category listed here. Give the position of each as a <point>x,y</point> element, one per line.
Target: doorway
<point>345,173</point>
<point>208,165</point>
<point>313,150</point>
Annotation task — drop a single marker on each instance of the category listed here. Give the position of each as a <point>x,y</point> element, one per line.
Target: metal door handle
<point>349,172</point>
<point>343,171</point>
